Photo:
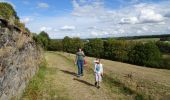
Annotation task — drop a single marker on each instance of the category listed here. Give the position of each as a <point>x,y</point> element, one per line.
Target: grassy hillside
<point>149,83</point>
<point>121,81</point>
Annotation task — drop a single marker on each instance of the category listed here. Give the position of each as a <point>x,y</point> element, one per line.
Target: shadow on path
<point>82,81</point>
<point>68,72</point>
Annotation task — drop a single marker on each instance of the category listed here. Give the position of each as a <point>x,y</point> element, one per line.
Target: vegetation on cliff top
<point>8,12</point>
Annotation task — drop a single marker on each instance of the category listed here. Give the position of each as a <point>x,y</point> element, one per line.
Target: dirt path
<point>63,80</point>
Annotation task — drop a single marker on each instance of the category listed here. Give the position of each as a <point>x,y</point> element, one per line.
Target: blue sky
<point>94,18</point>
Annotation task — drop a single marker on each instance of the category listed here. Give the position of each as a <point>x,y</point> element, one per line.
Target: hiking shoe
<point>78,76</point>
<point>95,84</point>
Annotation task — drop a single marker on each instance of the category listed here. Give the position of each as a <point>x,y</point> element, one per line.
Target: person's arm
<point>83,54</point>
<point>76,59</point>
<point>95,68</point>
<point>101,69</point>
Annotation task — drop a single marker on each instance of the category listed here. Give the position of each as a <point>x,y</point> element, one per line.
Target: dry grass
<point>149,82</point>
<point>6,50</point>
<point>121,81</point>
<point>21,39</point>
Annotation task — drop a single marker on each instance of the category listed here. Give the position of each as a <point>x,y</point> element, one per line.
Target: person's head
<point>80,49</point>
<point>97,61</point>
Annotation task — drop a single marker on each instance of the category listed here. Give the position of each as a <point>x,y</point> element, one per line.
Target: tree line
<point>139,53</point>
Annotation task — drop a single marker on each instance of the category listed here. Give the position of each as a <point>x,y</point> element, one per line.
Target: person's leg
<point>79,68</point>
<point>82,62</point>
<point>98,81</point>
<point>95,80</point>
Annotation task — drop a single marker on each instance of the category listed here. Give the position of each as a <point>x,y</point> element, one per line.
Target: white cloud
<point>93,10</point>
<point>149,16</point>
<point>93,19</point>
<point>169,27</point>
<point>130,20</point>
<point>68,28</point>
<point>45,28</point>
<point>146,15</point>
<point>43,5</point>
<point>167,14</point>
<point>94,33</point>
<point>145,28</point>
<point>26,20</point>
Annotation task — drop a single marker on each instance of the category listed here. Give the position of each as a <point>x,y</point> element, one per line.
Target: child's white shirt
<point>100,69</point>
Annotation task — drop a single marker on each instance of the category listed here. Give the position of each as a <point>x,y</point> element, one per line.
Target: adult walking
<point>79,61</point>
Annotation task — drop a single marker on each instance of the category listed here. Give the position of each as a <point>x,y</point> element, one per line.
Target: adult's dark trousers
<point>80,64</point>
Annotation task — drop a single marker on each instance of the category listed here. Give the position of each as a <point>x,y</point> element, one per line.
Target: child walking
<point>98,72</point>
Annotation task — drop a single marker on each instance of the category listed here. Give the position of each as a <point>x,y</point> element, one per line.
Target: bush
<point>71,45</point>
<point>7,11</point>
<point>94,48</point>
<point>164,46</point>
<point>116,50</point>
<point>55,45</point>
<point>139,53</point>
<point>146,54</point>
<point>42,39</point>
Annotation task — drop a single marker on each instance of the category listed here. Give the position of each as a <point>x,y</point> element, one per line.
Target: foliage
<point>167,38</point>
<point>139,53</point>
<point>116,50</point>
<point>163,46</point>
<point>146,54</point>
<point>66,43</point>
<point>94,48</point>
<point>42,39</point>
<point>71,45</point>
<point>165,63</point>
<point>7,11</point>
<point>55,45</point>
<point>19,24</point>
<point>76,43</point>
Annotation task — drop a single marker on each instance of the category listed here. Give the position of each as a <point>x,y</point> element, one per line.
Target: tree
<point>76,43</point>
<point>55,45</point>
<point>94,48</point>
<point>71,45</point>
<point>43,39</point>
<point>116,49</point>
<point>146,54</point>
<point>163,46</point>
<point>66,43</point>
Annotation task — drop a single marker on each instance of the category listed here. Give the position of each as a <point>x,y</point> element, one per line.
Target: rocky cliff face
<point>19,60</point>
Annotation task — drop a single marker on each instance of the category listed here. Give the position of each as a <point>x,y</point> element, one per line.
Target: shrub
<point>116,49</point>
<point>55,45</point>
<point>163,46</point>
<point>7,11</point>
<point>146,54</point>
<point>42,39</point>
<point>71,45</point>
<point>94,48</point>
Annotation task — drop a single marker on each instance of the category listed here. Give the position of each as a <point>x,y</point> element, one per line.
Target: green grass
<point>42,88</point>
<point>34,89</point>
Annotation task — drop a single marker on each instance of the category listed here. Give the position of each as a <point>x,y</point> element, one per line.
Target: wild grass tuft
<point>34,89</point>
